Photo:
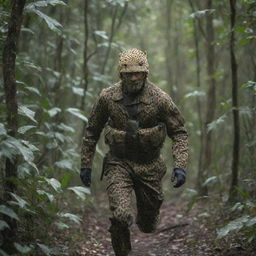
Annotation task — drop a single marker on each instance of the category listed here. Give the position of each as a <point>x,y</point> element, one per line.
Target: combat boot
<point>120,238</point>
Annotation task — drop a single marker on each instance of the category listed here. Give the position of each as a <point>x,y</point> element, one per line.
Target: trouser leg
<point>120,238</point>
<point>148,206</point>
<point>149,195</point>
<point>119,190</point>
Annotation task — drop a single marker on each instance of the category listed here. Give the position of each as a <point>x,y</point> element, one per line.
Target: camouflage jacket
<point>155,106</point>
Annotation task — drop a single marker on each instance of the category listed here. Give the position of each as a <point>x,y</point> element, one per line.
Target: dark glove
<point>180,175</point>
<point>85,176</point>
<point>132,127</point>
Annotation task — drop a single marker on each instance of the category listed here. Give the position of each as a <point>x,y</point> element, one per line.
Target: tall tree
<point>10,89</point>
<point>168,48</point>
<point>235,110</point>
<point>198,82</point>
<point>210,101</point>
<point>85,64</point>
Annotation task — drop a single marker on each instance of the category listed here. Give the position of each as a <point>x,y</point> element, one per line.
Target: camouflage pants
<point>123,177</point>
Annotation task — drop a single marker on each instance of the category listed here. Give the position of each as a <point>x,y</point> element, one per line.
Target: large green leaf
<point>78,113</point>
<point>214,124</point>
<point>8,150</point>
<point>251,222</point>
<point>25,151</point>
<point>30,145</point>
<point>33,89</point>
<point>2,130</point>
<point>101,34</point>
<point>42,192</point>
<point>3,225</point>
<point>201,13</point>
<point>22,248</point>
<point>195,94</point>
<point>64,164</point>
<point>54,183</point>
<point>44,3</point>
<point>71,217</point>
<point>26,168</point>
<point>66,128</point>
<point>189,193</point>
<point>210,180</point>
<point>45,249</point>
<point>25,111</point>
<point>80,191</point>
<point>61,225</point>
<point>54,111</point>
<point>12,146</point>
<point>20,202</point>
<point>8,211</point>
<point>78,91</point>
<point>24,129</point>
<point>234,225</point>
<point>51,23</point>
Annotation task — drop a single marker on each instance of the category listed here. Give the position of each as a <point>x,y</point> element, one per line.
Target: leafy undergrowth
<point>179,233</point>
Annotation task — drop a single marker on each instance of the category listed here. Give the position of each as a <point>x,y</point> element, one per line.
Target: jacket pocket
<point>152,138</point>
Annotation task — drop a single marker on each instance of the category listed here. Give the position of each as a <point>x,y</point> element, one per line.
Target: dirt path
<point>177,234</point>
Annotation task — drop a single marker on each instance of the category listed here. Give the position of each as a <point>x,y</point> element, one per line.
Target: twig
<point>172,227</point>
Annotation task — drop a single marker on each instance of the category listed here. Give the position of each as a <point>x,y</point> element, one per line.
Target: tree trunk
<point>10,89</point>
<point>85,65</point>
<point>168,49</point>
<point>235,110</point>
<point>210,102</point>
<point>198,81</point>
<point>114,29</point>
<point>177,58</point>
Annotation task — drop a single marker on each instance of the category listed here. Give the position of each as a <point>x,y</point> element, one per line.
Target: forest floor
<point>178,233</point>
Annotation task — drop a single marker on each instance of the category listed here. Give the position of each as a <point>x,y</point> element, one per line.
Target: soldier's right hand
<point>85,176</point>
<point>180,176</point>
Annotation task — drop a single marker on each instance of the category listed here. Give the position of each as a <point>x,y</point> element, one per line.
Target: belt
<point>136,156</point>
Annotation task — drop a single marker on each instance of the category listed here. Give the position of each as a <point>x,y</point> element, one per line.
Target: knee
<point>147,228</point>
<point>122,217</point>
<point>147,223</point>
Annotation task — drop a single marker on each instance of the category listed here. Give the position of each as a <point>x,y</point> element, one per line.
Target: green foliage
<point>80,191</point>
<point>202,13</point>
<point>195,94</point>
<point>52,23</point>
<point>78,113</point>
<point>8,211</point>
<point>22,249</point>
<point>214,124</point>
<point>246,222</point>
<point>51,78</point>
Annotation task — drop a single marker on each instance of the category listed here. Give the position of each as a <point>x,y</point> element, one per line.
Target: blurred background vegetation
<point>67,52</point>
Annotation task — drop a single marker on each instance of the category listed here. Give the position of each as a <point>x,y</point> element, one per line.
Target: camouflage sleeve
<point>97,119</point>
<point>176,131</point>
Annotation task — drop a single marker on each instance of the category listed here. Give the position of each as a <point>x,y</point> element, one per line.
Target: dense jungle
<point>58,55</point>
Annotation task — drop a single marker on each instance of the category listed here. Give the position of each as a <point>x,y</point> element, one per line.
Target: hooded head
<point>133,69</point>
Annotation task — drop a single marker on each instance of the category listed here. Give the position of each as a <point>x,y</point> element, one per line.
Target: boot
<point>120,238</point>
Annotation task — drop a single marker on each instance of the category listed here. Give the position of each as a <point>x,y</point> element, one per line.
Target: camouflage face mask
<point>133,84</point>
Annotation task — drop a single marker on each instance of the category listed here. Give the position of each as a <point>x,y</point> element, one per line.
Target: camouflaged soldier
<point>136,116</point>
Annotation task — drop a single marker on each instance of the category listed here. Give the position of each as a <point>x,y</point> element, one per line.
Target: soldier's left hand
<point>85,175</point>
<point>180,175</point>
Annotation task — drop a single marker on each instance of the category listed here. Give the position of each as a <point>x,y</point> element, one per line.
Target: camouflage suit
<point>133,162</point>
